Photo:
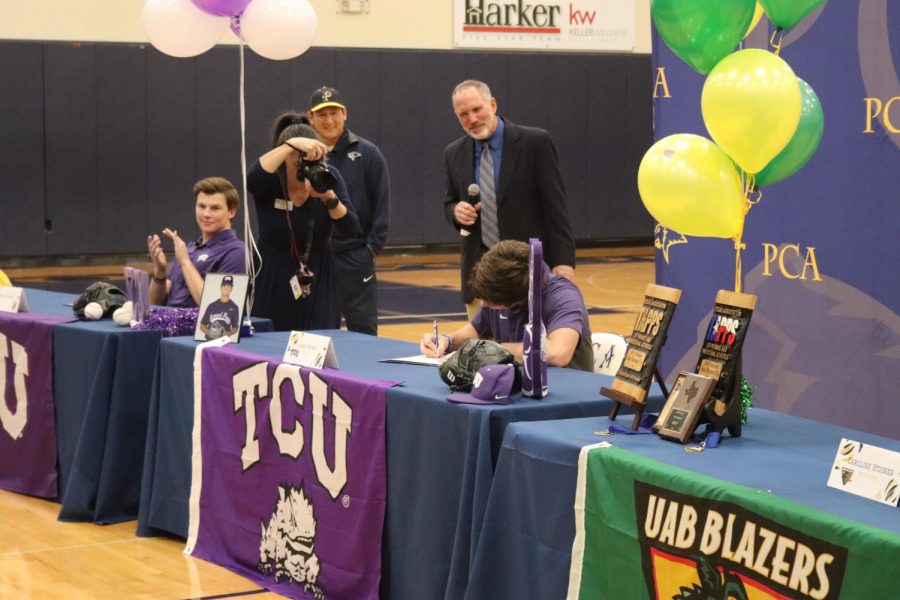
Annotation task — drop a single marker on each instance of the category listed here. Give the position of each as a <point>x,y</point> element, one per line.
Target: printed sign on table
<point>310,350</point>
<point>867,471</point>
<point>12,299</point>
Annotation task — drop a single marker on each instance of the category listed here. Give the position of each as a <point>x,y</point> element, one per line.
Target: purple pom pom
<point>172,321</point>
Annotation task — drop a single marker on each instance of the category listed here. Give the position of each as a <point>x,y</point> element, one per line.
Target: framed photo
<point>221,306</point>
<point>681,413</point>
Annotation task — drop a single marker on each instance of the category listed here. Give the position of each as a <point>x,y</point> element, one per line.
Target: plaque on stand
<point>720,359</point>
<point>684,406</point>
<point>631,384</point>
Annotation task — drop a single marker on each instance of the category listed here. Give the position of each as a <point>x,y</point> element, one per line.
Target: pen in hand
<point>436,339</point>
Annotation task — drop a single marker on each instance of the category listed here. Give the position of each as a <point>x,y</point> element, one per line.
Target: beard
<point>481,133</point>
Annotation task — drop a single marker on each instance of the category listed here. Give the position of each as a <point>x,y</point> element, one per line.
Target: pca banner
<point>818,244</point>
<point>649,530</point>
<point>28,435</point>
<point>289,480</point>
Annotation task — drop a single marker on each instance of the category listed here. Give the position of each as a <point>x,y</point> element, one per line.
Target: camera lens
<point>317,172</point>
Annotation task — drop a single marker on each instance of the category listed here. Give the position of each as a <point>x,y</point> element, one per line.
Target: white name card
<point>12,299</point>
<point>867,471</point>
<point>310,350</point>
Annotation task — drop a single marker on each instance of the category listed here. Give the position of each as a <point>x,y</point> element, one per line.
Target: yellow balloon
<point>4,280</point>
<point>757,15</point>
<point>751,105</point>
<point>690,185</point>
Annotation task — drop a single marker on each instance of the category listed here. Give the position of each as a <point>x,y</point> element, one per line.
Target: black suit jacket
<point>531,199</point>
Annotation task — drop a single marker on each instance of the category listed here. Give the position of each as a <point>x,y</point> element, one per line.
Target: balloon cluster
<point>765,122</point>
<point>275,29</point>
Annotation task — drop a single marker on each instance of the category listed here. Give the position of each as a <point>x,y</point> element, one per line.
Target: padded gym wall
<point>101,142</point>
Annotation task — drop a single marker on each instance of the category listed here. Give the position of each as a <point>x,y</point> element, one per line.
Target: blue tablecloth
<point>525,545</point>
<point>440,455</point>
<point>103,377</point>
<point>49,303</point>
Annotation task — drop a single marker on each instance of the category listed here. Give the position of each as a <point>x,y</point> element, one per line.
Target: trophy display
<point>632,382</point>
<point>720,359</point>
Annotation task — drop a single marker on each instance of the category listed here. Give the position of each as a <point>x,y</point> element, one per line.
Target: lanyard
<point>295,252</point>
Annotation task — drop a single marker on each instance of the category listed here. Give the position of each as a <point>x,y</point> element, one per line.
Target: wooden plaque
<point>634,377</point>
<point>720,358</point>
<point>681,413</point>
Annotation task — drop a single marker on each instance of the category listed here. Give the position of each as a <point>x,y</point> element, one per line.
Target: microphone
<point>472,199</point>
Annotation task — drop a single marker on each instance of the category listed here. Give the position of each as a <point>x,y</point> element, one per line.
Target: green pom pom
<point>746,400</point>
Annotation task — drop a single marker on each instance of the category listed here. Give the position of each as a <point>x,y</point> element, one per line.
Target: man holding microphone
<point>519,194</point>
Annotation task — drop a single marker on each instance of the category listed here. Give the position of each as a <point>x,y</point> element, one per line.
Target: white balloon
<point>178,28</point>
<point>279,29</point>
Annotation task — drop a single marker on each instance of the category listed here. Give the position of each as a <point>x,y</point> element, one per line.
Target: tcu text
<point>253,383</point>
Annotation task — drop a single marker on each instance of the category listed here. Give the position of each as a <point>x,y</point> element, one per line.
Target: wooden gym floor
<point>41,557</point>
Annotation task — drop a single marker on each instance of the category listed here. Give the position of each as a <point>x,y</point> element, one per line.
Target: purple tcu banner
<point>289,479</point>
<point>28,436</point>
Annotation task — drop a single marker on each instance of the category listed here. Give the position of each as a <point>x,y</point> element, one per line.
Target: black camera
<point>319,174</point>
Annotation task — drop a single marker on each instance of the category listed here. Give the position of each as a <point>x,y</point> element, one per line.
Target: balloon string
<point>776,45</point>
<point>749,184</point>
<point>250,247</point>
<point>738,246</point>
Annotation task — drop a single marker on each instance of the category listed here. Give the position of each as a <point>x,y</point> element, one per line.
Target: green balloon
<point>702,32</point>
<point>802,146</point>
<point>787,13</point>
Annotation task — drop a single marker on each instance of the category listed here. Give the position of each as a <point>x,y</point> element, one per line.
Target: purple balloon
<point>222,8</point>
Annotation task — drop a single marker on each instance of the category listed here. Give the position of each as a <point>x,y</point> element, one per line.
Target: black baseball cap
<point>324,97</point>
<point>228,280</point>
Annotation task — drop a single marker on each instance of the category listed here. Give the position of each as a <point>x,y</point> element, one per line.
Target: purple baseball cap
<point>493,385</point>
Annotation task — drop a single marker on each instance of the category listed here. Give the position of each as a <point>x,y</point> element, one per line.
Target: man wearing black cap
<point>365,172</point>
<point>222,316</point>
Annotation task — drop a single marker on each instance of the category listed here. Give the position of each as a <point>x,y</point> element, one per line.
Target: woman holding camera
<point>296,286</point>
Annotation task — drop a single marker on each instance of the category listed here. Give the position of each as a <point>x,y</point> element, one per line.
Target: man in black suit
<point>525,198</point>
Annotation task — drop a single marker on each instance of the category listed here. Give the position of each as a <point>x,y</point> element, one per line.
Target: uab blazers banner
<point>289,480</point>
<point>693,537</point>
<point>821,250</point>
<point>28,435</point>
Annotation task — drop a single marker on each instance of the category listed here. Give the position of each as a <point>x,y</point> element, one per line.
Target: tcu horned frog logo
<point>287,544</point>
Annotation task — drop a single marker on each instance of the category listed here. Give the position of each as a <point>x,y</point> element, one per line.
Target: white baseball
<point>93,311</point>
<point>122,316</point>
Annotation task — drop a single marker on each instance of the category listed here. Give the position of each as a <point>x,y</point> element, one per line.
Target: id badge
<point>295,287</point>
<point>301,282</point>
<point>281,204</point>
